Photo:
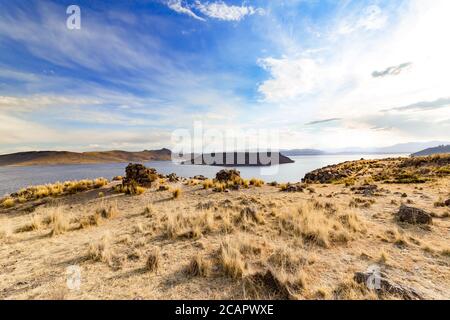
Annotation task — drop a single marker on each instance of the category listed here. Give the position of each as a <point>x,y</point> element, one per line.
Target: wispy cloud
<point>392,71</point>
<point>180,7</point>
<point>424,105</point>
<point>215,10</point>
<point>322,121</point>
<point>220,10</point>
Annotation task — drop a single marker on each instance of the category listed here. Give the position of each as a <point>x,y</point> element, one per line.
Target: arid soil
<point>185,241</point>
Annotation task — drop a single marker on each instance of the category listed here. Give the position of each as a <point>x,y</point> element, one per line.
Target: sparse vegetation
<point>153,260</point>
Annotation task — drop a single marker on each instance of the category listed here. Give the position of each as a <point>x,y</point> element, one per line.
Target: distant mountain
<point>431,151</point>
<point>410,147</point>
<point>65,157</point>
<point>302,152</point>
<point>238,159</point>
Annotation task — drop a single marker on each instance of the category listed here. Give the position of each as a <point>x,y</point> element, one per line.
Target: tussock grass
<point>319,224</point>
<point>198,267</point>
<point>154,260</point>
<point>90,220</point>
<point>207,184</point>
<point>231,260</point>
<point>60,222</point>
<point>191,226</point>
<point>108,212</point>
<point>101,250</point>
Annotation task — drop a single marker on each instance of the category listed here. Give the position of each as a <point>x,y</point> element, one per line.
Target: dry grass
<point>101,250</point>
<point>198,267</point>
<point>231,260</point>
<point>176,193</point>
<point>60,222</point>
<point>153,260</point>
<point>8,203</point>
<point>318,225</point>
<point>108,211</point>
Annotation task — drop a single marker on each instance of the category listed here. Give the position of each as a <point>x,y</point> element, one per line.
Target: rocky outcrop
<point>382,285</point>
<point>298,187</point>
<point>413,215</point>
<point>140,175</point>
<point>172,177</point>
<point>327,175</point>
<point>227,175</point>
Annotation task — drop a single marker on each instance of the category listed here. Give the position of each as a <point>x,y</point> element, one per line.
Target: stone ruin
<point>139,174</point>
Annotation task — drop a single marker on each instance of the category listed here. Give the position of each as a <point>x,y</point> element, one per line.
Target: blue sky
<point>324,73</point>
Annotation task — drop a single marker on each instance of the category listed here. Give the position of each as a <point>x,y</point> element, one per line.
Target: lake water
<point>14,178</point>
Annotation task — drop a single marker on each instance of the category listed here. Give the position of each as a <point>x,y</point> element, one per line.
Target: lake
<point>15,178</point>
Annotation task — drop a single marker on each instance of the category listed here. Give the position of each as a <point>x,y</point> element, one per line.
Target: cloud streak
<point>392,71</point>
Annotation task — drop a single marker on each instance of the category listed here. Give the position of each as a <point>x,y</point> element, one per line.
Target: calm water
<point>14,178</point>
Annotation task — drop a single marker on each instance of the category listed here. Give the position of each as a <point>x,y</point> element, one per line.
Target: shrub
<point>176,193</point>
<point>198,266</point>
<point>8,203</point>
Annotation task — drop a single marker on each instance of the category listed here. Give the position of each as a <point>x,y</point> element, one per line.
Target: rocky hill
<point>430,151</point>
<point>66,157</point>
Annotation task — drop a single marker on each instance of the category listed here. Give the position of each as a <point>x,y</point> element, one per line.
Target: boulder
<point>139,174</point>
<point>447,202</point>
<point>413,215</point>
<point>294,188</point>
<point>366,190</point>
<point>227,175</point>
<point>200,177</point>
<point>383,285</point>
<point>172,177</point>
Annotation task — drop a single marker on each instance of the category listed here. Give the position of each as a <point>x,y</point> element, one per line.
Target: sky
<point>323,73</point>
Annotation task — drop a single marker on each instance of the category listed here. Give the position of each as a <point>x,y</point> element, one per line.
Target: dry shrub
<point>198,266</point>
<point>60,222</point>
<point>101,250</point>
<point>153,261</point>
<point>207,184</point>
<point>286,258</point>
<point>256,182</point>
<point>8,203</point>
<point>231,260</point>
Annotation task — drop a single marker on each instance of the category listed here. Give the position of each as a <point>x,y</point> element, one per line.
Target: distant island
<point>431,151</point>
<point>303,152</point>
<point>239,159</point>
<point>65,157</point>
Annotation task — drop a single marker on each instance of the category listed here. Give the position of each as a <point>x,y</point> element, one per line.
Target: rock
<point>447,202</point>
<point>200,177</point>
<point>173,177</point>
<point>383,285</point>
<point>140,175</point>
<point>366,190</point>
<point>227,175</point>
<point>294,188</point>
<point>413,215</point>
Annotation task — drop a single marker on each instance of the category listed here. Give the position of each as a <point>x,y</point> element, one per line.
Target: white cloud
<point>371,18</point>
<point>290,78</point>
<point>177,5</point>
<point>220,10</point>
<point>339,82</point>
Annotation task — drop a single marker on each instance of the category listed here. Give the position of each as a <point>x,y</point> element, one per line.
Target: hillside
<point>66,157</point>
<point>430,151</point>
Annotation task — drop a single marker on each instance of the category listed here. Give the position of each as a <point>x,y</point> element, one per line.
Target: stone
<point>384,285</point>
<point>139,174</point>
<point>413,215</point>
<point>228,175</point>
